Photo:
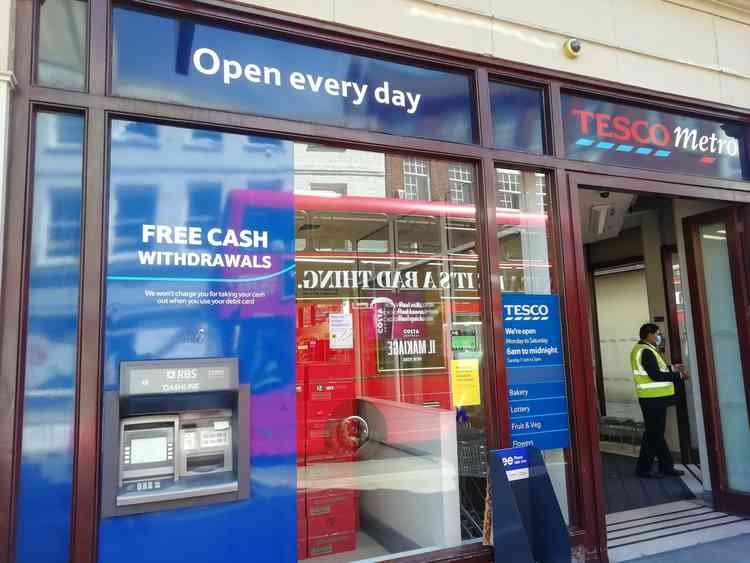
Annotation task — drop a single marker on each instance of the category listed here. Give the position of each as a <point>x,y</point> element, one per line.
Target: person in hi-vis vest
<point>655,385</point>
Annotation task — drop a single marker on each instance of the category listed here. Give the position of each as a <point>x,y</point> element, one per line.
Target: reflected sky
<point>50,364</point>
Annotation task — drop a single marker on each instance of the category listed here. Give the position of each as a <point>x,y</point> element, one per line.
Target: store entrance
<point>676,263</point>
<point>635,278</point>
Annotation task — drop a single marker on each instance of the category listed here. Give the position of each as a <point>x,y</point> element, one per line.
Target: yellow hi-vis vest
<point>645,387</point>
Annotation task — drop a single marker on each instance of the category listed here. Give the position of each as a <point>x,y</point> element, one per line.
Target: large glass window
<point>46,469</point>
<point>537,393</point>
<point>385,440</point>
<point>391,442</point>
<point>61,53</point>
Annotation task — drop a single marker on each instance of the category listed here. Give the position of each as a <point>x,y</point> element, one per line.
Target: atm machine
<point>175,435</point>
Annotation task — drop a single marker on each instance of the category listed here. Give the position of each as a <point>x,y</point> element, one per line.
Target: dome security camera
<point>572,48</point>
<point>604,195</point>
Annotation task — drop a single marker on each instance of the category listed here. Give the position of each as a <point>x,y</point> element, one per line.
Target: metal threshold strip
<point>663,528</point>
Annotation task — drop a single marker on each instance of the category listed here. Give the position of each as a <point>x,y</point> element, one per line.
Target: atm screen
<point>148,450</point>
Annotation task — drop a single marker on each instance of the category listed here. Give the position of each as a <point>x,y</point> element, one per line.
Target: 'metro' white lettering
<point>688,139</point>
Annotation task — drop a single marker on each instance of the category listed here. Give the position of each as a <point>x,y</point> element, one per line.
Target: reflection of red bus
<point>385,296</point>
<point>345,234</point>
<point>378,234</point>
<point>242,199</point>
<point>381,236</point>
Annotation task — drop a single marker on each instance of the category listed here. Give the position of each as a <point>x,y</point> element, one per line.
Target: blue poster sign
<point>536,371</point>
<point>200,264</point>
<point>171,59</point>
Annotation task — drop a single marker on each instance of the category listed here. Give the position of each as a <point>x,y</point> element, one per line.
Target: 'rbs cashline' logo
<point>182,380</point>
<point>187,373</point>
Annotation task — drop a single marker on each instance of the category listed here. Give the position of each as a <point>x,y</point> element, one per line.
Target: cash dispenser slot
<point>176,435</point>
<point>205,463</point>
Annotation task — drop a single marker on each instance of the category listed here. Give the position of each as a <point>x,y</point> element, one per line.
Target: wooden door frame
<point>595,336</point>
<point>578,310</point>
<point>724,499</point>
<point>675,351</point>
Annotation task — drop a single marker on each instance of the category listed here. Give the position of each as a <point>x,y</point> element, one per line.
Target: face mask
<point>659,339</point>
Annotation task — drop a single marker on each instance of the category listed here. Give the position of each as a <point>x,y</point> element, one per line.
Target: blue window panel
<point>61,43</point>
<point>46,471</point>
<point>517,117</point>
<point>644,150</point>
<point>625,148</point>
<point>604,145</point>
<point>444,109</point>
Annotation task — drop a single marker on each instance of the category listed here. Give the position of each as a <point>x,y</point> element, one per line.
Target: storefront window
<point>537,388</point>
<point>374,436</point>
<point>517,117</point>
<point>62,44</point>
<point>391,448</point>
<point>46,468</point>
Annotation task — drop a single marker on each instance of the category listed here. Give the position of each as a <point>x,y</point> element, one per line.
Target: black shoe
<point>673,472</point>
<point>649,475</point>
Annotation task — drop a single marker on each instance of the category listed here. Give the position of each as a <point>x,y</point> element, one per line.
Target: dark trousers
<point>653,444</point>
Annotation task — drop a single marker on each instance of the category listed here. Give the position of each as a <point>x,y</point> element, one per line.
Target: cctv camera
<point>572,48</point>
<point>604,195</point>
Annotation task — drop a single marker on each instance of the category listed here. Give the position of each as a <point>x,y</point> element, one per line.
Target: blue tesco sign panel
<point>177,60</point>
<point>536,371</point>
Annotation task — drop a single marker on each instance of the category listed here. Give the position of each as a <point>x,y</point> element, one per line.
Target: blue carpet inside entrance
<point>624,491</point>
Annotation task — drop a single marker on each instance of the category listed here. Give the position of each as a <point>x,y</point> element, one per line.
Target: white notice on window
<point>341,331</point>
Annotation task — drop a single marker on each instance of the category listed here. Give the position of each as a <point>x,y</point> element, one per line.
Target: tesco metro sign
<point>603,131</point>
<point>645,132</point>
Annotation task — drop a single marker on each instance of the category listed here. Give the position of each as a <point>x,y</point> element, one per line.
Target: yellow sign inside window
<point>465,382</point>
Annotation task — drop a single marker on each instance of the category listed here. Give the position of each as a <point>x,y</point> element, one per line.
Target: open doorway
<point>635,278</point>
<point>646,257</point>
